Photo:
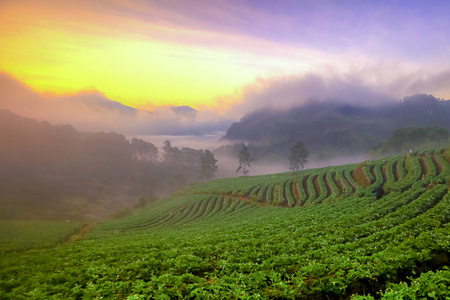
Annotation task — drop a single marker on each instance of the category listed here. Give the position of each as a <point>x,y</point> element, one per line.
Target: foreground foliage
<point>363,231</point>
<point>23,235</point>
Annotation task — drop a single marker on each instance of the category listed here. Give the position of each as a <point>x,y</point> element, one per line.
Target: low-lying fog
<point>227,163</point>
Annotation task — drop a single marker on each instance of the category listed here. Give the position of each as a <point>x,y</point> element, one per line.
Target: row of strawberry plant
<point>444,176</point>
<point>390,176</point>
<point>301,184</point>
<point>367,172</point>
<point>332,185</point>
<point>414,174</point>
<point>348,176</point>
<point>432,172</point>
<point>347,188</point>
<point>288,191</point>
<point>311,189</point>
<point>322,187</point>
<point>401,168</point>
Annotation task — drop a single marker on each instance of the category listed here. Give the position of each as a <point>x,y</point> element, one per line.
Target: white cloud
<point>366,83</point>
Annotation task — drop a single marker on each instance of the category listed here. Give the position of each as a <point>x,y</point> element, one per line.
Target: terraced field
<point>333,183</point>
<point>379,229</point>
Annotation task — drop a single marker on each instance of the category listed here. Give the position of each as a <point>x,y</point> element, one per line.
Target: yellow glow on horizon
<point>56,54</point>
<point>131,71</point>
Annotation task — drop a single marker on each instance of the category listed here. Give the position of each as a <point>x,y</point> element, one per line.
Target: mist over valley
<point>205,149</point>
<point>56,172</point>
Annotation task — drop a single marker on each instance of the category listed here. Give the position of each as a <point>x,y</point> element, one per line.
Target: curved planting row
<point>346,189</point>
<point>333,189</point>
<point>370,178</point>
<point>444,167</point>
<point>389,171</point>
<point>207,208</point>
<point>194,207</point>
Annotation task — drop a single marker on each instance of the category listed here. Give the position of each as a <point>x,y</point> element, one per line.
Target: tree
<point>244,160</point>
<point>208,166</point>
<point>402,140</point>
<point>298,157</point>
<point>171,154</point>
<point>144,150</point>
<point>191,157</point>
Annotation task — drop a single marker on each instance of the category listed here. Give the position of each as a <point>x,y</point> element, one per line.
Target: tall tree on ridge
<point>208,166</point>
<point>298,157</point>
<point>245,159</point>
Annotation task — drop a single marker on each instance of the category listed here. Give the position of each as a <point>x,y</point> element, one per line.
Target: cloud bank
<point>92,111</point>
<point>370,85</point>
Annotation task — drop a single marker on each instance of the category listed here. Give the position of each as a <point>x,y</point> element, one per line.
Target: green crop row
<point>323,189</point>
<point>347,189</point>
<point>348,176</point>
<point>390,177</point>
<point>311,190</point>
<point>444,176</point>
<point>333,187</point>
<point>414,174</point>
<point>302,191</point>
<point>288,191</point>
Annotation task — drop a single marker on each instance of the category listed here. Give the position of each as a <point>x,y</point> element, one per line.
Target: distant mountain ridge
<point>92,111</point>
<point>97,102</point>
<point>335,127</point>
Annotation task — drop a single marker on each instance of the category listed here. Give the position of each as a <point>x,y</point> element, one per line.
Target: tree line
<point>412,139</point>
<point>298,157</point>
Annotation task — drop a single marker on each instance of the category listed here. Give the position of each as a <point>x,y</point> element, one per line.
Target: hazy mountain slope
<point>340,128</point>
<point>54,172</point>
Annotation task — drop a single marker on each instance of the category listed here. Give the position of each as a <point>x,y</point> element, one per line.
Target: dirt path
<point>295,191</point>
<point>305,189</point>
<point>284,186</point>
<point>360,177</point>
<point>339,182</point>
<point>316,186</point>
<point>396,171</point>
<point>384,172</point>
<point>81,232</point>
<point>327,186</point>
<point>438,164</point>
<point>372,172</point>
<point>423,166</point>
<point>354,187</point>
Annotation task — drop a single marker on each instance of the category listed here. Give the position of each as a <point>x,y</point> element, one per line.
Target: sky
<point>224,58</point>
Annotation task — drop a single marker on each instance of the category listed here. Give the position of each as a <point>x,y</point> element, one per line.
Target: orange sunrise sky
<point>213,54</point>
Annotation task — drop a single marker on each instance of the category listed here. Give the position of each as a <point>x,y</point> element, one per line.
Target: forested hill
<point>54,172</point>
<point>337,127</point>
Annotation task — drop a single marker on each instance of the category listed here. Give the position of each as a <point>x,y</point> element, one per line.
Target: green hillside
<point>337,128</point>
<point>378,229</point>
